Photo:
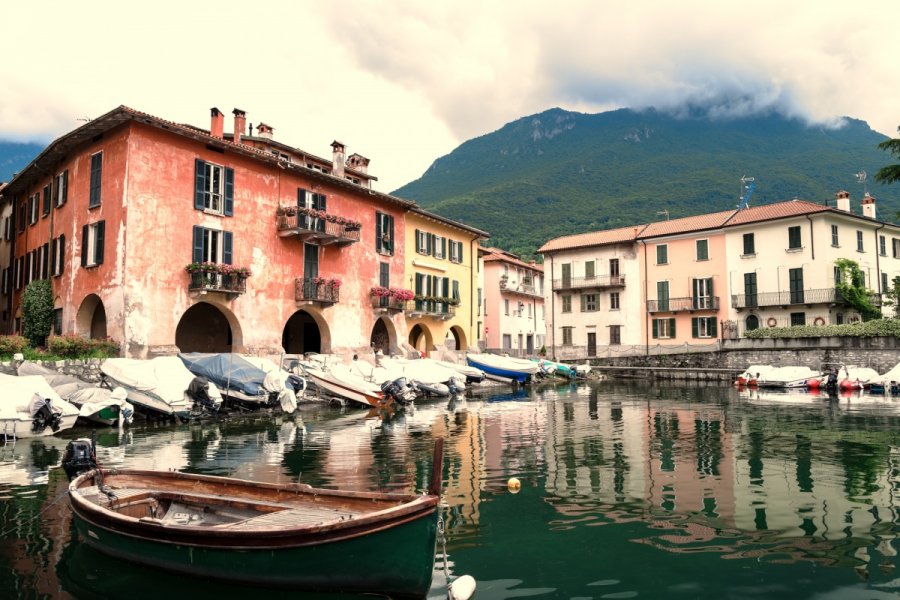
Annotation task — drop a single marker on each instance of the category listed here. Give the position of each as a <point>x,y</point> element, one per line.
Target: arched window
<point>752,322</point>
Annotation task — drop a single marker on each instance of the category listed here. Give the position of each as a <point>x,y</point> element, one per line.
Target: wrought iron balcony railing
<point>387,303</point>
<point>521,289</point>
<point>430,308</point>
<point>316,230</point>
<point>788,297</point>
<point>683,304</point>
<point>307,290</point>
<point>231,283</point>
<point>577,283</point>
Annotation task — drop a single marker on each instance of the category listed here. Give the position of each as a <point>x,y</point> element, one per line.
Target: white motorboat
<point>787,377</point>
<point>341,381</point>
<point>507,367</point>
<point>472,374</point>
<point>94,403</point>
<point>29,407</point>
<point>159,385</point>
<point>750,376</point>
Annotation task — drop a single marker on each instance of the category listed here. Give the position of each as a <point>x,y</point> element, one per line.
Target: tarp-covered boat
<point>240,380</point>
<point>29,407</point>
<point>274,535</point>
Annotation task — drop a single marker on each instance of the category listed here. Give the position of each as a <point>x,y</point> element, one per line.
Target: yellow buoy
<point>514,485</point>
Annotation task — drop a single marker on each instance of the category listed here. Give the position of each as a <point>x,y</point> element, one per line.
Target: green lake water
<point>627,491</point>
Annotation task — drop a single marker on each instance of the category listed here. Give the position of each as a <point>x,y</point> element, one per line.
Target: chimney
<point>264,131</point>
<point>240,124</point>
<point>843,201</point>
<point>868,206</point>
<point>337,166</point>
<point>217,124</point>
<point>358,162</point>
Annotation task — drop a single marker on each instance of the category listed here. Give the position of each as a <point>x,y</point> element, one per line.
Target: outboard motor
<point>80,457</point>
<point>198,390</point>
<point>456,385</point>
<point>398,390</point>
<point>42,415</point>
<point>296,382</point>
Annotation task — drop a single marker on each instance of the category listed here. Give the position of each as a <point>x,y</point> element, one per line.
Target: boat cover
<point>227,371</point>
<point>165,377</point>
<point>88,397</point>
<point>19,392</point>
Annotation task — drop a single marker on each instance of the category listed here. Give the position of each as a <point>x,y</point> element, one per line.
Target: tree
<point>890,173</point>
<point>853,290</point>
<point>37,312</point>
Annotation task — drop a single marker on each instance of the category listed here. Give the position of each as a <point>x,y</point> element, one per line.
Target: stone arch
<point>383,336</point>
<point>306,331</point>
<point>458,335</point>
<point>421,339</point>
<point>90,320</point>
<point>751,323</point>
<point>208,327</point>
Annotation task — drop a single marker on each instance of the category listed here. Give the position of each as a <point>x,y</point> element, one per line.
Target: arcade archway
<point>383,336</point>
<point>205,327</point>
<point>90,321</point>
<point>420,338</point>
<point>305,332</point>
<point>458,336</point>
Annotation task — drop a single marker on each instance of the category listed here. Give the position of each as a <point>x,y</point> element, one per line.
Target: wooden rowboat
<point>277,535</point>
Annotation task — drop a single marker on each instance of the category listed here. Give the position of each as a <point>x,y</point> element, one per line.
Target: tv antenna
<point>861,178</point>
<point>747,186</point>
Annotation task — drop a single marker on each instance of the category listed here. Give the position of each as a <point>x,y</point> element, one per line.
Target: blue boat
<point>517,369</point>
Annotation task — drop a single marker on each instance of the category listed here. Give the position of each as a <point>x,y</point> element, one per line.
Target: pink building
<point>513,303</point>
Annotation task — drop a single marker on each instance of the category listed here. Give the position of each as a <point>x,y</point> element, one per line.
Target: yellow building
<point>441,269</point>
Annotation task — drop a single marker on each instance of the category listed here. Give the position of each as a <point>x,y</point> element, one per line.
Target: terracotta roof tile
<point>779,210</point>
<point>593,238</point>
<point>687,224</point>
<point>491,254</point>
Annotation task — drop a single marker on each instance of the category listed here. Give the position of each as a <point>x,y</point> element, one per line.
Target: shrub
<point>12,344</point>
<point>73,346</point>
<point>875,328</point>
<point>37,311</point>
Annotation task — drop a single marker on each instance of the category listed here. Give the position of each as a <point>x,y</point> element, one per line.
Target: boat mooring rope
<point>440,526</point>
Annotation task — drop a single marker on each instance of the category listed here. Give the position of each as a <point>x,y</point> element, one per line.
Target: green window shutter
<point>101,227</point>
<point>227,247</point>
<point>711,327</point>
<point>695,327</point>
<point>96,179</point>
<point>378,234</point>
<point>199,184</point>
<point>229,192</point>
<point>418,235</point>
<point>84,245</point>
<point>65,188</point>
<point>198,244</point>
<point>391,228</point>
<point>583,302</point>
<point>429,248</point>
<point>62,253</point>
<point>459,255</point>
<point>672,327</point>
<point>301,198</point>
<point>443,247</point>
<point>655,329</point>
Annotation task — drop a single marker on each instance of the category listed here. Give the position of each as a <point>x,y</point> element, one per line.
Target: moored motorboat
<point>751,375</point>
<point>516,369</point>
<point>338,380</point>
<point>29,407</point>
<point>241,381</point>
<point>787,377</point>
<point>273,535</point>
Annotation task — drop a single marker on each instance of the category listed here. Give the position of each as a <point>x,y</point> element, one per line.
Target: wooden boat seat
<point>293,517</point>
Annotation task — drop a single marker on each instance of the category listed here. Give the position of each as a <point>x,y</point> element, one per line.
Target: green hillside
<point>560,172</point>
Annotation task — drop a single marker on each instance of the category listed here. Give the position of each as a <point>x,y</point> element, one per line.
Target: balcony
<point>787,298</point>
<point>430,308</point>
<point>387,304</point>
<point>522,289</point>
<point>683,304</point>
<point>315,230</point>
<point>231,284</point>
<point>309,291</point>
<point>582,283</point>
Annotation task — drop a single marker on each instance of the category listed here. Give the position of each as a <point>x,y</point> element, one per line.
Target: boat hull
<point>19,427</point>
<point>397,561</point>
<point>518,376</point>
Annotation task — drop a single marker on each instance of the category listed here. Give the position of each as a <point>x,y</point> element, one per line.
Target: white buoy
<point>462,588</point>
<point>514,485</point>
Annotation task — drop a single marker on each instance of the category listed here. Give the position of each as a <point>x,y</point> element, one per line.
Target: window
<point>662,295</point>
<point>440,246</point>
<point>44,261</point>
<point>795,278</point>
<point>895,247</point>
<point>750,299</point>
<point>837,276</point>
<point>566,275</point>
<point>567,336</point>
<point>794,238</point>
<point>702,249</point>
<point>34,206</point>
<point>4,287</point>
<point>92,244</point>
<point>20,272</point>
<point>61,188</point>
<point>749,244</point>
<point>23,210</point>
<point>384,233</point>
<point>702,289</point>
<point>590,270</point>
<point>615,335</point>
<point>506,307</point>
<point>882,245</point>
<point>703,327</point>
<point>45,210</point>
<point>663,328</point>
<point>859,241</point>
<point>662,254</point>
<point>480,302</point>
<point>212,245</point>
<point>57,256</point>
<point>567,304</point>
<point>529,308</point>
<point>213,188</point>
<point>57,321</point>
<point>752,322</point>
<point>614,301</point>
<point>834,236</point>
<point>588,302</point>
<point>884,283</point>
<point>454,290</point>
<point>96,178</point>
<point>798,318</point>
<point>613,269</point>
<point>456,251</point>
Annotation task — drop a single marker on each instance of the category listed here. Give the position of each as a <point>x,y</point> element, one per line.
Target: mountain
<point>561,172</point>
<point>14,157</point>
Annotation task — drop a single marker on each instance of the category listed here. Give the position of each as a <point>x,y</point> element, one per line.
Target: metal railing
<point>523,289</point>
<point>218,282</point>
<point>784,298</point>
<point>430,308</point>
<point>598,281</point>
<point>307,290</point>
<point>683,304</point>
<point>387,302</point>
<point>314,229</point>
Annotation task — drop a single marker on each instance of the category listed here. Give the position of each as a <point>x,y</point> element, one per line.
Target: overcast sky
<point>405,82</point>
